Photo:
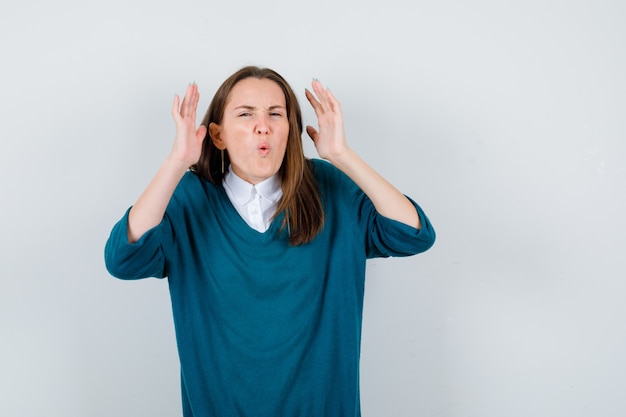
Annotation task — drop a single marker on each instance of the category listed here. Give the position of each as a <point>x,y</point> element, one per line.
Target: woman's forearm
<point>149,209</point>
<point>387,199</point>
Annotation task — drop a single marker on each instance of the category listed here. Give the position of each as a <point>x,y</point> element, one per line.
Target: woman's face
<point>254,129</point>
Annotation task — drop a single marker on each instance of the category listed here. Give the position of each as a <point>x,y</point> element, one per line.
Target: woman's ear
<point>215,131</point>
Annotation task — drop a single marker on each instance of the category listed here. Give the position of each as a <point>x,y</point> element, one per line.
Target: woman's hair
<point>301,201</point>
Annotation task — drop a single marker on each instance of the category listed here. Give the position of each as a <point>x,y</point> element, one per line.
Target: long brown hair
<point>301,201</point>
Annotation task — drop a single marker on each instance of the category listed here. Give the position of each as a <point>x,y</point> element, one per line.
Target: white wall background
<point>505,120</point>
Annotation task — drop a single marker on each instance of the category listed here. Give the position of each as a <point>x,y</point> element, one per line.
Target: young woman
<point>264,249</point>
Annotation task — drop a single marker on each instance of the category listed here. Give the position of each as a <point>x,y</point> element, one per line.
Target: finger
<point>312,132</point>
<point>333,100</point>
<point>193,102</point>
<point>322,93</point>
<point>187,108</point>
<point>196,96</point>
<point>201,133</point>
<point>327,99</point>
<point>175,107</point>
<point>183,105</point>
<point>314,103</point>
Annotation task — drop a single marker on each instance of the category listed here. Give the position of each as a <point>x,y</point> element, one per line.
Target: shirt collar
<point>241,189</point>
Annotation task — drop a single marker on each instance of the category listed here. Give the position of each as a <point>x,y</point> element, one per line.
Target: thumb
<point>310,130</point>
<point>201,132</point>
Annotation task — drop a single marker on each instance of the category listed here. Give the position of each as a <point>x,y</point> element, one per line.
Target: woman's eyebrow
<point>245,107</point>
<point>248,107</point>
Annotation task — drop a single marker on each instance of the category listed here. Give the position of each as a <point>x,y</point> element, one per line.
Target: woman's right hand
<point>150,208</point>
<point>188,141</point>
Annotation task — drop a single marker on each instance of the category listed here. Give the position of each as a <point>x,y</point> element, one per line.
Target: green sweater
<point>263,328</point>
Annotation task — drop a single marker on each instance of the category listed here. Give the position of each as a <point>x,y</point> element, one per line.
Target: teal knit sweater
<point>263,328</point>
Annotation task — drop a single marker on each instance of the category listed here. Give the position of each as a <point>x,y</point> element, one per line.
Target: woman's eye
<point>245,114</point>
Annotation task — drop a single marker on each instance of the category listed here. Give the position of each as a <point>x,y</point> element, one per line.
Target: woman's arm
<point>149,209</point>
<point>330,142</point>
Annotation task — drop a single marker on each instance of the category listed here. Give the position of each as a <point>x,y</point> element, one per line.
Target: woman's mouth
<point>263,148</point>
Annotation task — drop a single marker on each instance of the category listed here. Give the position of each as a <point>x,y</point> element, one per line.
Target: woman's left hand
<point>330,140</point>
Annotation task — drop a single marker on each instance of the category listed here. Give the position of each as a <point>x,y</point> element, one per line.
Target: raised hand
<point>149,209</point>
<point>330,140</point>
<point>188,141</point>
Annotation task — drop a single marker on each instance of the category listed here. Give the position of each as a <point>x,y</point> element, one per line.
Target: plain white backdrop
<point>506,121</point>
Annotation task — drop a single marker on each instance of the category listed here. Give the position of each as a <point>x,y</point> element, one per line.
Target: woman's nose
<point>262,127</point>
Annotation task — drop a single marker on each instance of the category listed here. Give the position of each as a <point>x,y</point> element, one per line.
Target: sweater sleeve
<point>382,236</point>
<point>142,259</point>
<point>386,237</point>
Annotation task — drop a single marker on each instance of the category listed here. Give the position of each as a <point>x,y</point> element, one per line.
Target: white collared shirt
<point>256,204</point>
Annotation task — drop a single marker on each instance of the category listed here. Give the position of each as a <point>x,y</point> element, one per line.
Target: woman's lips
<point>263,148</point>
